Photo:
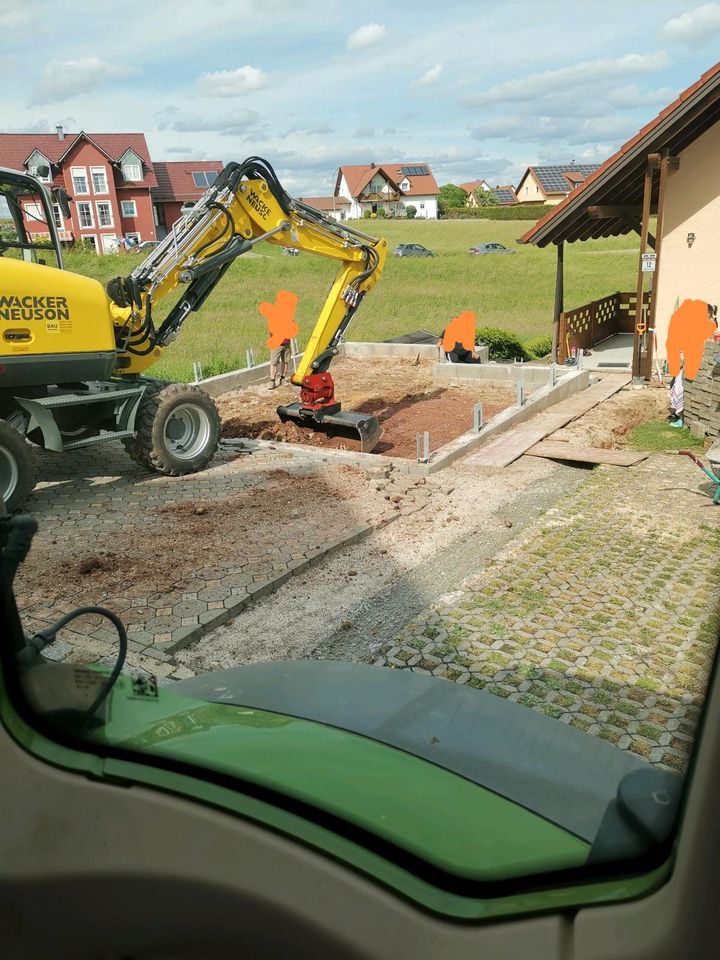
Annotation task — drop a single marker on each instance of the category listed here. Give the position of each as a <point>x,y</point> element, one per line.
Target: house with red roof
<point>391,187</point>
<point>180,184</point>
<point>116,190</point>
<point>504,195</point>
<point>552,183</point>
<point>109,177</point>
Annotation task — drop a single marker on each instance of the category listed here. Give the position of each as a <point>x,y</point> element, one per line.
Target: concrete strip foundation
<point>540,399</point>
<point>459,374</point>
<point>237,379</point>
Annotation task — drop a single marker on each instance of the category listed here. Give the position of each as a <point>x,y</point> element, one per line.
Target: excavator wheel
<point>17,467</point>
<point>177,429</point>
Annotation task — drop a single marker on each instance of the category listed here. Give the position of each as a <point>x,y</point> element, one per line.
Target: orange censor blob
<point>690,327</point>
<point>280,318</point>
<point>460,330</point>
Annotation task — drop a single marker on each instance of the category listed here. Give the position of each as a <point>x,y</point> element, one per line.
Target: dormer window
<point>405,185</point>
<point>131,166</point>
<point>39,166</point>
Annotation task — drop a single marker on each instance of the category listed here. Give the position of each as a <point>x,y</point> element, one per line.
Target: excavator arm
<point>245,206</point>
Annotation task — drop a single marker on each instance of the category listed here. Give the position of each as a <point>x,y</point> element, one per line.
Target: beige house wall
<point>692,205</point>
<point>535,193</point>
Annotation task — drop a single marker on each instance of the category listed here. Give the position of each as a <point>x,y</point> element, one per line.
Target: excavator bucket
<point>359,427</point>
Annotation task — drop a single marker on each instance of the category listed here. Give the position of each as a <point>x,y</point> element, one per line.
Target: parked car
<point>147,245</point>
<point>490,248</point>
<point>412,250</point>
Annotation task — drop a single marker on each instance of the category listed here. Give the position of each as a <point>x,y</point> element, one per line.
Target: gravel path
<point>353,602</point>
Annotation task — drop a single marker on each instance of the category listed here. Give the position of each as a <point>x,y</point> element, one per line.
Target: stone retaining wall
<point>702,395</point>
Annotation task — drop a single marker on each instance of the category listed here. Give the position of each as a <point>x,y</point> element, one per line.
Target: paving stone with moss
<point>605,616</point>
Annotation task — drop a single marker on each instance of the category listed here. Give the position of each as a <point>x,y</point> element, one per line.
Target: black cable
<point>45,637</point>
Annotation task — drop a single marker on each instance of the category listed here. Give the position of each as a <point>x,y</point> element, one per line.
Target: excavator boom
<point>245,206</point>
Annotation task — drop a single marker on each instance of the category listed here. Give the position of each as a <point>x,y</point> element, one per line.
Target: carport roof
<point>619,181</point>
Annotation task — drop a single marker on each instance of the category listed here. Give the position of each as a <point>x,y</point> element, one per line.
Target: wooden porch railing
<point>594,322</point>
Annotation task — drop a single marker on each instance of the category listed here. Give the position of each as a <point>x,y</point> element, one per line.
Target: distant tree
<point>486,198</point>
<point>451,196</point>
<point>410,211</point>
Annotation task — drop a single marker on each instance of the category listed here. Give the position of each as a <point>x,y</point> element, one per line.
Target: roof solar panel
<point>415,171</point>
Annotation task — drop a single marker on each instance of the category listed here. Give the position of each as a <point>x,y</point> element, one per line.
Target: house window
<point>422,206</point>
<point>526,190</point>
<point>134,237</point>
<point>90,242</point>
<point>128,208</point>
<point>537,189</point>
<point>204,178</point>
<point>34,212</point>
<point>85,216</point>
<point>99,179</point>
<point>132,171</point>
<point>104,212</point>
<point>79,180</point>
<point>57,217</point>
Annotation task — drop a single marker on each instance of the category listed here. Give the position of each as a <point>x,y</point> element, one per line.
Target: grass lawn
<point>657,435</point>
<point>513,292</point>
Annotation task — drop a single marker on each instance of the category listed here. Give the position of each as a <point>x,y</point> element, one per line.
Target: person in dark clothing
<point>459,353</point>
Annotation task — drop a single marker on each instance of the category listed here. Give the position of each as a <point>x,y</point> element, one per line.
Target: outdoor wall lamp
<point>690,239</point>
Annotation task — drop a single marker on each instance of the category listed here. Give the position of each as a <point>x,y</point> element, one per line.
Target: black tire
<point>17,467</point>
<point>177,429</point>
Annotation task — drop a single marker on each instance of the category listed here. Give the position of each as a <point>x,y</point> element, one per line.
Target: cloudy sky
<point>479,89</point>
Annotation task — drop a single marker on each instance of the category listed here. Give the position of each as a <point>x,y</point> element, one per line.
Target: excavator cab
<point>24,198</point>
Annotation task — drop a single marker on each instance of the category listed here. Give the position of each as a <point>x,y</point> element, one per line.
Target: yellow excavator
<point>73,355</point>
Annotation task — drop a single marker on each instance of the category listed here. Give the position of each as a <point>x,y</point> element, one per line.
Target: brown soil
<point>398,392</point>
<point>607,425</point>
<point>162,548</point>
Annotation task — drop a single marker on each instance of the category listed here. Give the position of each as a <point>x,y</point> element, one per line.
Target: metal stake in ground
<point>425,446</point>
<point>553,374</point>
<point>250,356</point>
<point>477,417</point>
<point>197,372</point>
<point>520,393</point>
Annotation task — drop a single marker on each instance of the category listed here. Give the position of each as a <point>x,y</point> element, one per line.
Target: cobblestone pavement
<point>173,557</point>
<point>605,616</point>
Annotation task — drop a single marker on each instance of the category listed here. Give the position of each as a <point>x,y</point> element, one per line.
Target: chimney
<point>372,165</point>
<point>60,132</point>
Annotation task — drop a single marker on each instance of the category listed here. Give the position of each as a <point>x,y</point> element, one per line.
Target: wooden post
<point>668,163</point>
<point>652,164</point>
<point>559,295</point>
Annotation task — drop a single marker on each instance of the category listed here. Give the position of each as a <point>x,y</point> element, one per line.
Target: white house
<point>336,207</point>
<point>390,186</point>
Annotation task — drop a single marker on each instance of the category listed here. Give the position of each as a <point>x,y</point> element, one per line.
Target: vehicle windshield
<point>309,504</point>
<point>24,231</point>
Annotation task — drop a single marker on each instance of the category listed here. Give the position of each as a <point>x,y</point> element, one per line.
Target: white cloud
<point>368,36</point>
<point>365,130</point>
<point>631,96</point>
<point>62,79</point>
<point>239,121</point>
<point>232,83</point>
<point>696,25</point>
<point>598,153</point>
<point>431,76</point>
<point>584,74</point>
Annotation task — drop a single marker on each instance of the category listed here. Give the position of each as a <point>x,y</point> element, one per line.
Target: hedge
<point>503,344</point>
<point>522,211</point>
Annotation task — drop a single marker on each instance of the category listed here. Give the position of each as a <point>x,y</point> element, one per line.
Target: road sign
<point>648,262</point>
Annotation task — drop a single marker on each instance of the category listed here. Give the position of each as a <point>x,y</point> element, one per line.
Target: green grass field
<point>513,292</point>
